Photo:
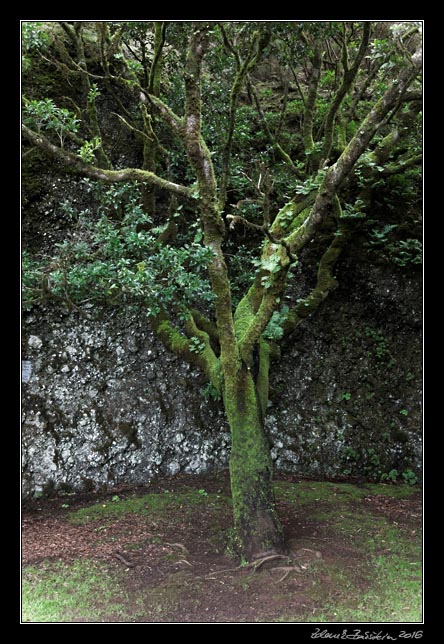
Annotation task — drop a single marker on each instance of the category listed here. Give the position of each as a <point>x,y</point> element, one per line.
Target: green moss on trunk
<point>256,524</point>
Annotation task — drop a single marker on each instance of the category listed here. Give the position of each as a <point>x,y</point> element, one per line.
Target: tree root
<point>177,545</point>
<point>287,570</point>
<point>255,565</point>
<point>258,563</point>
<point>179,561</point>
<point>125,561</point>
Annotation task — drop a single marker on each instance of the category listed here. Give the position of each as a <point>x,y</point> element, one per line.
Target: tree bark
<point>256,524</point>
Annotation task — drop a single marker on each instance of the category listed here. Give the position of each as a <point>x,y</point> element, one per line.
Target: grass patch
<point>384,583</point>
<point>394,593</point>
<point>79,591</point>
<point>312,491</point>
<point>84,591</point>
<point>149,504</point>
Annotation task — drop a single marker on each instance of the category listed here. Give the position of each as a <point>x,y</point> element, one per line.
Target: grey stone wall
<point>106,404</point>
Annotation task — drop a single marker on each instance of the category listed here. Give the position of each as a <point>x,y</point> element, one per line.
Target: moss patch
<point>312,491</point>
<point>150,504</point>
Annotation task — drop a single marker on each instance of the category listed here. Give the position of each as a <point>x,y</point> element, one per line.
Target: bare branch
<point>276,145</point>
<point>143,135</point>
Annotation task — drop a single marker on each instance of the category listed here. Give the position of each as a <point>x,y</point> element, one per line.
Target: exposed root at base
<point>287,570</point>
<point>255,565</point>
<point>258,563</point>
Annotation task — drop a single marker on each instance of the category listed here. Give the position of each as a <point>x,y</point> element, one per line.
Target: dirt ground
<point>177,560</point>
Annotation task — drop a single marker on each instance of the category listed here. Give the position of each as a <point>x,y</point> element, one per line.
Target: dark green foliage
<point>34,39</point>
<point>275,327</point>
<point>210,392</point>
<point>110,261</point>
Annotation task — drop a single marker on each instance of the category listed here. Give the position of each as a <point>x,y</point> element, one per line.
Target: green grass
<point>151,504</point>
<point>60,592</point>
<point>84,591</point>
<point>393,595</point>
<point>312,491</point>
<point>384,584</point>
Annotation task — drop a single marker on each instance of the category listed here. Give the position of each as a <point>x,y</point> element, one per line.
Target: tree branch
<point>204,324</point>
<point>336,174</point>
<point>258,325</point>
<point>212,222</point>
<point>257,46</point>
<point>276,145</point>
<point>72,161</point>
<point>296,80</point>
<point>401,165</point>
<point>159,41</point>
<point>181,346</point>
<point>263,228</point>
<point>307,127</point>
<point>348,78</point>
<point>229,45</point>
<point>143,135</point>
<point>325,282</point>
<point>166,113</point>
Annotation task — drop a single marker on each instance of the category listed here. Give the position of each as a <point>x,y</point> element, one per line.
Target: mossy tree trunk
<point>256,523</point>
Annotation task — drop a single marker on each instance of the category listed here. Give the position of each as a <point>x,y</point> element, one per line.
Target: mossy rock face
<point>348,393</point>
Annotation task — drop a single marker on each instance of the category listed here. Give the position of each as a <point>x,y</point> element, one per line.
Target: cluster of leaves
<point>209,392</point>
<point>274,330</point>
<point>311,183</point>
<point>406,252</point>
<point>34,39</point>
<point>45,115</point>
<point>367,460</point>
<point>408,476</point>
<point>402,252</point>
<point>86,152</point>
<point>109,260</point>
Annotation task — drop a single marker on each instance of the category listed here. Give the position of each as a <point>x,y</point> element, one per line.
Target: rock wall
<point>105,403</point>
<point>348,399</point>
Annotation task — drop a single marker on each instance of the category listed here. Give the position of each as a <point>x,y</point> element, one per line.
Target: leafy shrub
<point>105,260</point>
<point>44,114</point>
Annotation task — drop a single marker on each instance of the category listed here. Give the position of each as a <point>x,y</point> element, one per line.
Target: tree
<point>185,92</point>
